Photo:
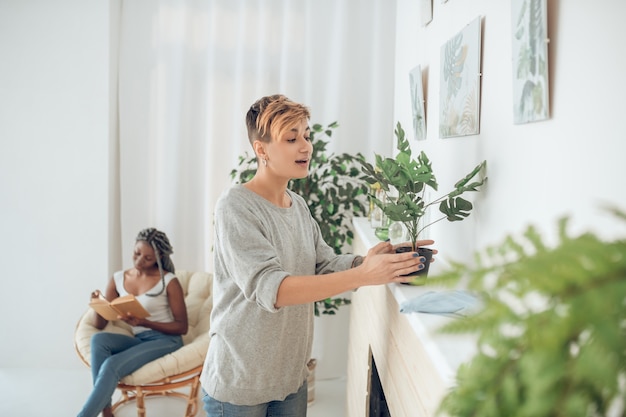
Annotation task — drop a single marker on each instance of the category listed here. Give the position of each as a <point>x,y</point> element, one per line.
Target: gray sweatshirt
<point>258,353</point>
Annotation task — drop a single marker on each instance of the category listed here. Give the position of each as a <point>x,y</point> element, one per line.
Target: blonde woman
<point>271,264</point>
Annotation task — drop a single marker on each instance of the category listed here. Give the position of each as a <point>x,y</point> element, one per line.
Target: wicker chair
<point>167,375</point>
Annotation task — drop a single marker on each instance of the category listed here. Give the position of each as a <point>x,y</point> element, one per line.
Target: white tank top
<point>158,307</point>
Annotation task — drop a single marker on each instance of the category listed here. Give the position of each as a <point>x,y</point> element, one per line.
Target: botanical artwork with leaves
<point>459,101</point>
<point>530,60</point>
<point>417,103</point>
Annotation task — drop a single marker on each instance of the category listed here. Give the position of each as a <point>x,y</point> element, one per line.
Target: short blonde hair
<point>270,116</point>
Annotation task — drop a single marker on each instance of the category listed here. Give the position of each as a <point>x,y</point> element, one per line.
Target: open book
<point>121,306</point>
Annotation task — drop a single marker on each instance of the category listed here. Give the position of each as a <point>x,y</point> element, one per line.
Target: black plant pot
<point>422,274</point>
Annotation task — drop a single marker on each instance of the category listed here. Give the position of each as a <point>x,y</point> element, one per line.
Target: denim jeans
<point>295,405</point>
<point>113,356</point>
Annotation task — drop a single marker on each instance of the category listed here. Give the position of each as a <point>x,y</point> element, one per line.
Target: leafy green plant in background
<point>552,335</point>
<point>334,190</point>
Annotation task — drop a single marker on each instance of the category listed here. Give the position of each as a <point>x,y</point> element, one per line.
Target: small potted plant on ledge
<point>404,181</point>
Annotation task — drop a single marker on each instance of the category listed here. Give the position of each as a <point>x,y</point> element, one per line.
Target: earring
<point>265,162</point>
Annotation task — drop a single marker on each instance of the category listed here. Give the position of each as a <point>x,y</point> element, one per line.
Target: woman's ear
<point>259,149</point>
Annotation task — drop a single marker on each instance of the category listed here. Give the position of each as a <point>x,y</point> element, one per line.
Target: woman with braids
<point>152,281</point>
<point>271,264</point>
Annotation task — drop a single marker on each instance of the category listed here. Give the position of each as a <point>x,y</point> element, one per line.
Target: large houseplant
<point>552,334</point>
<point>334,190</point>
<point>404,181</point>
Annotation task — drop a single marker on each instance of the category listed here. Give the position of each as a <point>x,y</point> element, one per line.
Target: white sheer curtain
<point>188,71</point>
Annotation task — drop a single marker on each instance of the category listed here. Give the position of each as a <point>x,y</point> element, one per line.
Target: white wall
<point>54,127</point>
<point>570,164</point>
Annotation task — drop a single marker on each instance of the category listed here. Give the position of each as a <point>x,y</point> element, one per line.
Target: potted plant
<point>335,191</point>
<point>551,334</point>
<point>404,180</point>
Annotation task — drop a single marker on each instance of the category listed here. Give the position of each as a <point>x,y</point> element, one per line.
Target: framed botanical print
<point>530,60</point>
<point>459,97</point>
<point>417,103</point>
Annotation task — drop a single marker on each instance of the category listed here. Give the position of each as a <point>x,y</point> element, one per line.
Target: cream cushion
<point>197,287</point>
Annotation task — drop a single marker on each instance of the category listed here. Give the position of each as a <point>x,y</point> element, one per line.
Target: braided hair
<point>162,250</point>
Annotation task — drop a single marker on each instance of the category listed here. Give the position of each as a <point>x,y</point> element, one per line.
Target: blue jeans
<point>113,356</point>
<point>294,405</point>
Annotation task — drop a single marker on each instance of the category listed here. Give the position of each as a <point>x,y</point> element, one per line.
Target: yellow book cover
<point>121,306</point>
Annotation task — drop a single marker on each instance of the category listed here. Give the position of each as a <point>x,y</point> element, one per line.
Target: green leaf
<point>455,209</point>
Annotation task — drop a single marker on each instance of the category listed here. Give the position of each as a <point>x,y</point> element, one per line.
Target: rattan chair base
<point>165,387</point>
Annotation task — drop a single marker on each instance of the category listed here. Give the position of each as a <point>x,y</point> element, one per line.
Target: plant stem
<point>428,225</point>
